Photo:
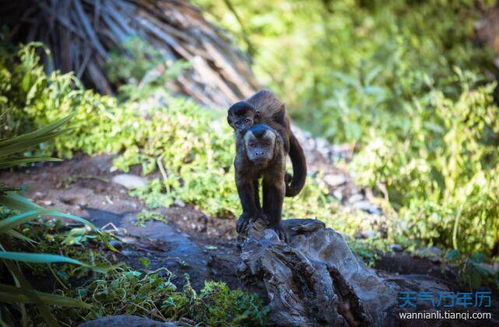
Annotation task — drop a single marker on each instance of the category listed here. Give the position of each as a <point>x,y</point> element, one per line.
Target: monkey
<point>264,108</point>
<point>260,155</point>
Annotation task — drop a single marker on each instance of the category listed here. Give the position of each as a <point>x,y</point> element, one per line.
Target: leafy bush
<point>445,180</point>
<point>148,294</point>
<point>364,60</point>
<point>16,211</point>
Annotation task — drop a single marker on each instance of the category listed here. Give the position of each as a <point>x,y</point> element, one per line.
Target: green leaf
<point>16,234</point>
<point>39,258</point>
<point>12,294</point>
<point>32,136</point>
<point>14,221</point>
<point>15,201</point>
<point>20,146</point>
<point>16,162</point>
<point>18,202</point>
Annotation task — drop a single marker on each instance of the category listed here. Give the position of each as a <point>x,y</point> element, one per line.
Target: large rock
<point>316,280</point>
<point>129,181</point>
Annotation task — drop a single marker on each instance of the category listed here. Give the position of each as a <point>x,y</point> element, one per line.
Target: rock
<point>335,180</point>
<point>129,181</point>
<point>338,194</point>
<point>180,203</point>
<point>355,198</point>
<point>316,280</point>
<point>128,321</point>
<point>366,234</point>
<point>187,257</point>
<point>396,248</point>
<point>368,207</point>
<point>116,244</point>
<point>435,250</point>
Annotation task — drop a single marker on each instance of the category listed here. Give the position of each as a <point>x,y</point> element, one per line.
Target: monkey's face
<point>260,143</point>
<point>241,116</point>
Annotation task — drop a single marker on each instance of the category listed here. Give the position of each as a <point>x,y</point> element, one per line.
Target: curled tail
<point>299,167</point>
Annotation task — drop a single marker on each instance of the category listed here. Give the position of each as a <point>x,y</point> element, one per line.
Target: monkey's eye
<point>252,144</point>
<point>247,121</point>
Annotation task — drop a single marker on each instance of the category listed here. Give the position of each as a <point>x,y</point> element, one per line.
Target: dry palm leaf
<point>82,33</point>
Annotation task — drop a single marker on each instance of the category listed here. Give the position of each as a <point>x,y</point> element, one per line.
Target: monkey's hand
<point>281,232</point>
<point>242,223</point>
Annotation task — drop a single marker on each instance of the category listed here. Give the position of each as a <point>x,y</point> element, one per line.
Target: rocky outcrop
<point>316,280</point>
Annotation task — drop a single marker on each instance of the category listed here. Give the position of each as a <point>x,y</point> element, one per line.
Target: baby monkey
<point>264,108</point>
<point>261,156</point>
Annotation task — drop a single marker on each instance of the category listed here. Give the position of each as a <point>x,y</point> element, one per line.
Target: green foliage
<point>475,271</point>
<point>405,82</point>
<point>147,215</point>
<point>16,212</point>
<point>444,180</point>
<point>126,291</point>
<point>364,60</point>
<point>141,68</point>
<point>132,292</point>
<point>368,250</point>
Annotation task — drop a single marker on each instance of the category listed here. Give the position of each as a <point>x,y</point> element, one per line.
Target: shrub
<point>126,291</point>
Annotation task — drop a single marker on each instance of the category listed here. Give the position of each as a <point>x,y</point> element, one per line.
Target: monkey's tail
<point>299,167</point>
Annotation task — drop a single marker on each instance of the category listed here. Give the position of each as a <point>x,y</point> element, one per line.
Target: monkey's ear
<point>279,116</point>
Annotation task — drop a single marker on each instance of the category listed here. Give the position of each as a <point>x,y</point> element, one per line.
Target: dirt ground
<point>82,186</point>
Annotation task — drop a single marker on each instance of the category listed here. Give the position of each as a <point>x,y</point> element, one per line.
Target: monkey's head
<point>241,116</point>
<point>260,142</point>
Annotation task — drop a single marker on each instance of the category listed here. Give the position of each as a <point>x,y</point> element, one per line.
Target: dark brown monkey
<point>260,155</point>
<point>264,108</point>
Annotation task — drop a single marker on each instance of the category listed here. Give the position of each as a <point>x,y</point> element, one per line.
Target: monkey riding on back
<point>264,108</point>
<point>263,140</point>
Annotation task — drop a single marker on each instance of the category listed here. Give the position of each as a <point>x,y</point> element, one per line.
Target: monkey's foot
<point>281,232</point>
<point>243,223</point>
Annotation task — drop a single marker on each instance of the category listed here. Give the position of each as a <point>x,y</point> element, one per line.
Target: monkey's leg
<point>246,191</point>
<point>273,197</point>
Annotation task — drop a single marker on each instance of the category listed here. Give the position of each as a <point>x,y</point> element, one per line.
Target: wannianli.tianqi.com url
<point>445,315</point>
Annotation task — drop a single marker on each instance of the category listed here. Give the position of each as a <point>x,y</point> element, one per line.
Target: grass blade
<point>12,294</point>
<point>39,258</point>
<point>14,221</point>
<point>16,162</point>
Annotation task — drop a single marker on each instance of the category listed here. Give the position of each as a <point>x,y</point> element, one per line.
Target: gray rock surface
<point>184,255</point>
<point>129,181</point>
<point>335,180</point>
<point>316,280</point>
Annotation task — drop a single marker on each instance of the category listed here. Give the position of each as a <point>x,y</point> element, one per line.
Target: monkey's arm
<point>299,167</point>
<point>257,195</point>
